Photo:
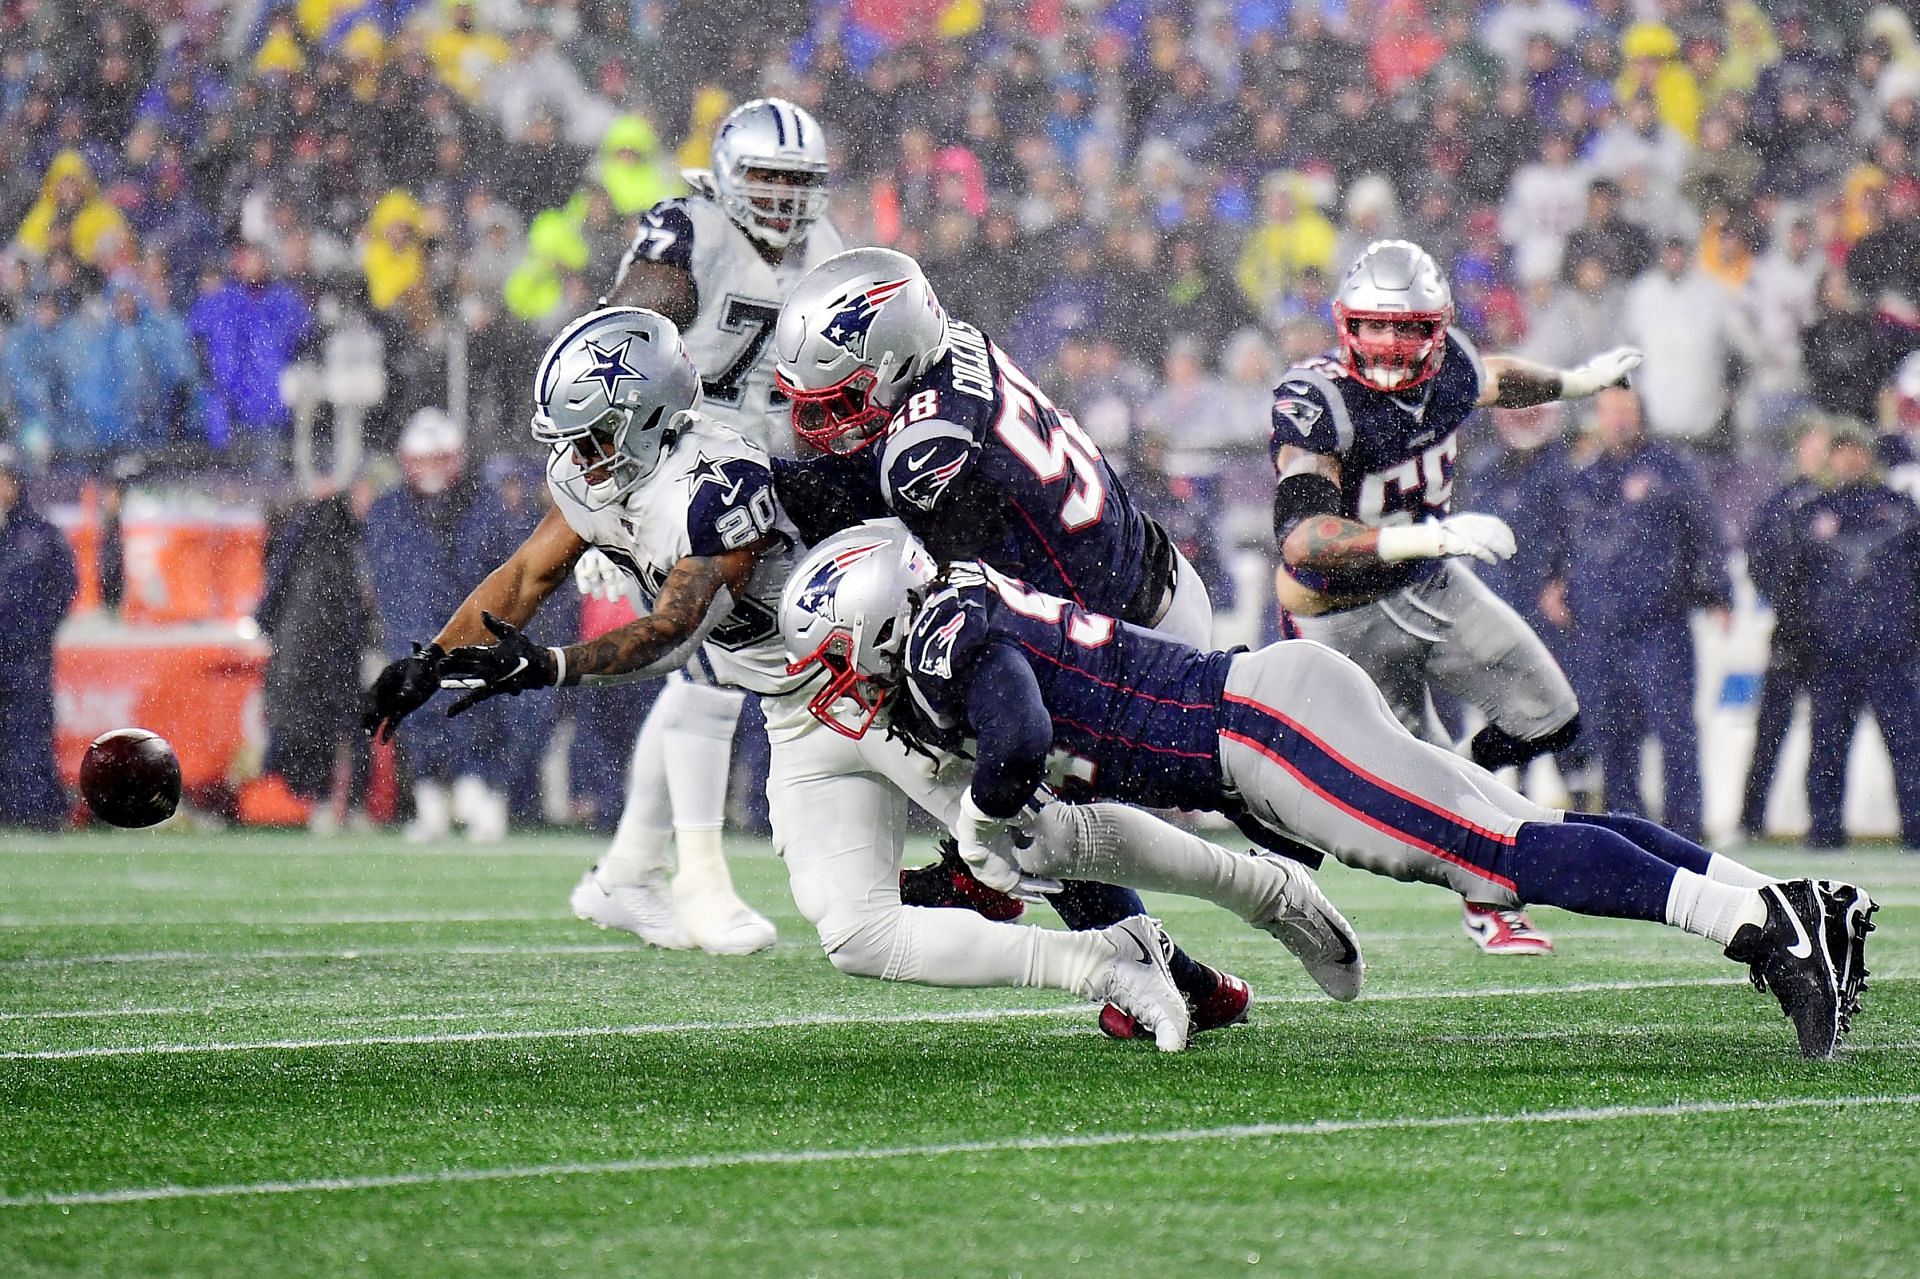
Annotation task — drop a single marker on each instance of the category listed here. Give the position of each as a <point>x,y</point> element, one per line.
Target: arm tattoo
<point>677,614</point>
<point>1327,543</point>
<point>1524,385</point>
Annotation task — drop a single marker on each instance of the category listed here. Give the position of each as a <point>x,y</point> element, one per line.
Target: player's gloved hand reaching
<point>1610,368</point>
<point>512,666</point>
<point>596,575</point>
<point>987,847</point>
<point>402,688</point>
<point>1485,537</point>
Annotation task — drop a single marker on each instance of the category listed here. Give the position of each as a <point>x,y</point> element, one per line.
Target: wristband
<point>1409,542</point>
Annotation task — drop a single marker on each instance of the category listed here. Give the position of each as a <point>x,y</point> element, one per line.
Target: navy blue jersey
<point>979,464</point>
<point>1396,453</point>
<point>1123,712</point>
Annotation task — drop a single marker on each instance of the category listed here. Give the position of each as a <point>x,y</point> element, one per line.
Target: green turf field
<point>265,1055</point>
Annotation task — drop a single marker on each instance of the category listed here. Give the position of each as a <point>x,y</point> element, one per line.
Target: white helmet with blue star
<point>613,390</point>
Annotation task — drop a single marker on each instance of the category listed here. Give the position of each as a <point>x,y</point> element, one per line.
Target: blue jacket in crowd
<point>28,381</point>
<point>1642,544</point>
<point>1856,568</point>
<point>123,380</point>
<point>1527,488</point>
<point>425,554</point>
<point>249,334</point>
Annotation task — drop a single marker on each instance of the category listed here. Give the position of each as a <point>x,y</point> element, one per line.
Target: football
<point>130,777</point>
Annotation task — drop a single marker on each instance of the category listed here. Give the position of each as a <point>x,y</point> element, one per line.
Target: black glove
<point>400,690</point>
<point>513,665</point>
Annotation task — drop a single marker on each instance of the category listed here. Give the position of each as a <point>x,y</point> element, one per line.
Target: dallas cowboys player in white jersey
<point>718,263</point>
<point>688,509</point>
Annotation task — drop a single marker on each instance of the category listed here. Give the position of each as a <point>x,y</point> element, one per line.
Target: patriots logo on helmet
<point>609,366</point>
<point>818,592</point>
<point>849,325</point>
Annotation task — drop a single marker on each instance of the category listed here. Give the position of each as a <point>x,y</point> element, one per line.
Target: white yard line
<point>863,1154</point>
<point>323,952</point>
<point>931,1017</point>
<point>152,920</point>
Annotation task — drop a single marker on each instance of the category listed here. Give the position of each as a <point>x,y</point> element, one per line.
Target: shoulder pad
<point>1457,340</point>
<point>947,635</point>
<point>730,502</point>
<point>1310,412</point>
<point>665,236</point>
<point>920,461</point>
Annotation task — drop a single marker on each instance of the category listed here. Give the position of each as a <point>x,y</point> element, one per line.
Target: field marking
<point>929,1017</point>
<point>324,952</point>
<point>858,1154</point>
<point>149,920</point>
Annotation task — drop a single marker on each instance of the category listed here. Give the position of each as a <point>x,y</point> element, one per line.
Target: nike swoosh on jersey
<point>923,461</point>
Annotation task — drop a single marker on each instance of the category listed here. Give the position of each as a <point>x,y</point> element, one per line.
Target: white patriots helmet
<point>854,333</point>
<point>770,170</point>
<point>847,609</point>
<point>1396,282</point>
<point>613,390</point>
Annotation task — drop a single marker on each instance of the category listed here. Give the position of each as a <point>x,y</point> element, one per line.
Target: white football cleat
<point>432,818</point>
<point>718,922</point>
<point>643,909</point>
<point>1138,982</point>
<point>1314,930</point>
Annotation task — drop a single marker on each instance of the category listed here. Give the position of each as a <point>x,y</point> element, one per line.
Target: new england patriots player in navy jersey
<point>1364,448</point>
<point>922,417</point>
<point>1297,737</point>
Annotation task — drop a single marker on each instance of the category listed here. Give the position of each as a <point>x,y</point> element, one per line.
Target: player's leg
<point>698,724</point>
<point>840,827</point>
<point>1393,657</point>
<point>1780,689</point>
<point>1491,659</point>
<point>628,889</point>
<point>1488,657</point>
<point>428,741</point>
<point>1329,769</point>
<point>1666,680</point>
<point>1671,846</point>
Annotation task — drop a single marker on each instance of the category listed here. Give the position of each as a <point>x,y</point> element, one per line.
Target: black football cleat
<point>1790,956</point>
<point>1225,1005</point>
<point>949,883</point>
<point>1849,918</point>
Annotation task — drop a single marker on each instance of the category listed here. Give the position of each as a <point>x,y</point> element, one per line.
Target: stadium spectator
<point>1690,327</point>
<point>249,327</point>
<point>1855,554</point>
<point>1639,552</point>
<point>34,399</point>
<point>37,585</point>
<point>71,216</point>
<point>1578,319</point>
<point>1624,248</point>
<point>317,613</point>
<point>1774,565</point>
<point>129,374</point>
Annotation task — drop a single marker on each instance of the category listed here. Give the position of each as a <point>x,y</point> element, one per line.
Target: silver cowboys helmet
<point>613,390</point>
<point>854,333</point>
<point>1396,283</point>
<point>770,170</point>
<point>847,610</point>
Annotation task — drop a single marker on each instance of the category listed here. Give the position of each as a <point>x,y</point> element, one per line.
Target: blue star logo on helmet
<point>849,325</point>
<point>609,366</point>
<point>818,592</point>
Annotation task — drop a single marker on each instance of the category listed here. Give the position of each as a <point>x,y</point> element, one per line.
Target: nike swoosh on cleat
<point>1803,948</point>
<point>1146,956</point>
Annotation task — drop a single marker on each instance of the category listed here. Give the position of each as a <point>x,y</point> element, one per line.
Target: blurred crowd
<point>239,236</point>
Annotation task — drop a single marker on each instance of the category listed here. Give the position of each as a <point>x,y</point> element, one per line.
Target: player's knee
<point>861,943</point>
<point>1066,838</point>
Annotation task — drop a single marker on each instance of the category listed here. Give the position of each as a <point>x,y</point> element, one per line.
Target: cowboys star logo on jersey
<point>609,366</point>
<point>712,470</point>
<point>819,590</point>
<point>848,327</point>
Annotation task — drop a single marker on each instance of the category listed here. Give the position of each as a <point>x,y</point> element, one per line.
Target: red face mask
<point>841,418</point>
<point>843,684</point>
<point>1399,361</point>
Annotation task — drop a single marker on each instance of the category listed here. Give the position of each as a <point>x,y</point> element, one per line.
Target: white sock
<point>1122,845</point>
<point>1725,870</point>
<point>703,865</point>
<point>1711,910</point>
<point>959,948</point>
<point>641,845</point>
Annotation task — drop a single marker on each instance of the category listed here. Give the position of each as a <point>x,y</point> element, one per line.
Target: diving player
<point>972,456</point>
<point>1371,562</point>
<point>688,509</point>
<point>717,263</point>
<point>1297,734</point>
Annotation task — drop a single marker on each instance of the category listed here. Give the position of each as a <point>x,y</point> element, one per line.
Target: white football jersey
<point>711,493</point>
<point>738,298</point>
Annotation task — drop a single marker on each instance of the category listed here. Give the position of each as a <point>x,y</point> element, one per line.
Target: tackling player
<point>688,509</point>
<point>1371,555</point>
<point>1301,737</point>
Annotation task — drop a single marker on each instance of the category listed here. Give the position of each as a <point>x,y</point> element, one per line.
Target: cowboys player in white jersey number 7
<point>718,263</point>
<point>688,509</point>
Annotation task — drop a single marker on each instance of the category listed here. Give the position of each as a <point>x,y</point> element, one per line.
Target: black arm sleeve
<point>1298,496</point>
<point>1013,730</point>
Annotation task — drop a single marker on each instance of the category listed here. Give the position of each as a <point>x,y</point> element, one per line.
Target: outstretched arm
<point>1514,383</point>
<point>1313,535</point>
